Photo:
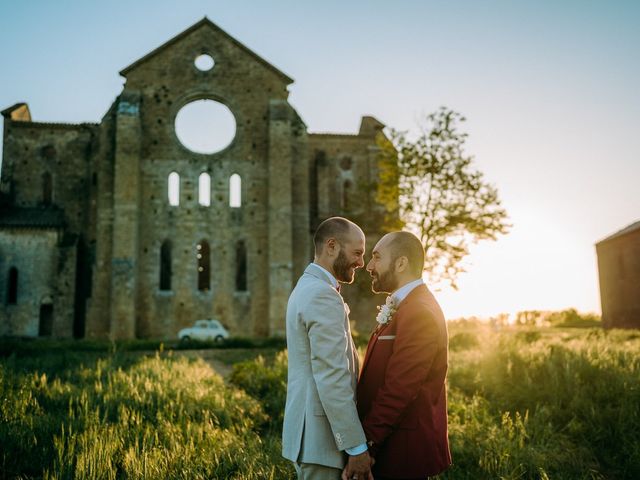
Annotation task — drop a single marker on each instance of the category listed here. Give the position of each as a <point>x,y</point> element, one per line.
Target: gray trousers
<point>313,471</point>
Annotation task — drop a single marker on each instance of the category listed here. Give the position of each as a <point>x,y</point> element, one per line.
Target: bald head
<point>406,244</point>
<point>335,227</point>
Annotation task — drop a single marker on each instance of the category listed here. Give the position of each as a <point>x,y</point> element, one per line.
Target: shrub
<point>530,336</point>
<point>570,318</point>
<point>463,341</point>
<point>266,383</point>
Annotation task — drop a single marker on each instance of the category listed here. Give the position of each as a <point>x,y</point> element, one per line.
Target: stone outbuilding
<point>619,271</point>
<point>117,230</point>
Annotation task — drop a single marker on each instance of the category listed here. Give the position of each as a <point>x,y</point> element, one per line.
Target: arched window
<point>347,188</point>
<point>165,265</point>
<point>235,191</point>
<point>47,188</point>
<point>204,265</point>
<point>12,293</point>
<point>241,266</point>
<point>204,189</point>
<point>173,189</point>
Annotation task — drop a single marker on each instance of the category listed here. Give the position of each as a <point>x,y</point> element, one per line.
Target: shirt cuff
<point>357,450</point>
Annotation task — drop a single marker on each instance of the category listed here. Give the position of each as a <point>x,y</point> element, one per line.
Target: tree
<point>438,193</point>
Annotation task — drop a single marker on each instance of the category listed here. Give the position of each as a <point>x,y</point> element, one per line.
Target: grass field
<point>523,404</point>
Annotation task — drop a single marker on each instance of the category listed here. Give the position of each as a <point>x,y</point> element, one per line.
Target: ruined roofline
<point>63,126</point>
<point>20,116</point>
<point>194,27</point>
<point>628,229</point>
<point>31,217</point>
<point>369,127</point>
<point>334,135</point>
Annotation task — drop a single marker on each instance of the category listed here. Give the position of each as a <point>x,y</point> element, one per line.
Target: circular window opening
<point>205,126</point>
<point>204,62</point>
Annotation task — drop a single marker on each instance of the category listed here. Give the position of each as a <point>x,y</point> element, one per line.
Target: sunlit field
<point>524,403</point>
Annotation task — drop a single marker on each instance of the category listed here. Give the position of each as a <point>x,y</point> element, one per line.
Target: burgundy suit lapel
<point>372,343</point>
<point>420,290</point>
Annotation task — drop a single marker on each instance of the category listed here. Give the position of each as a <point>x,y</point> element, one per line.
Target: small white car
<point>204,330</point>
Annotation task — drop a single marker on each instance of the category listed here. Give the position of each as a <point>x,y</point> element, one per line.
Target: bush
<point>266,383</point>
<point>570,318</point>
<point>530,336</point>
<point>463,341</point>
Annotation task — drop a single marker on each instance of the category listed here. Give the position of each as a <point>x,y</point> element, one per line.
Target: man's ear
<point>332,246</point>
<point>402,263</point>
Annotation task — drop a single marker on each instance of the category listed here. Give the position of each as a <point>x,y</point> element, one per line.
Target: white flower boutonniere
<point>387,311</point>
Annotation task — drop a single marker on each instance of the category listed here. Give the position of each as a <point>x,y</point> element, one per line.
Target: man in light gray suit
<point>321,427</point>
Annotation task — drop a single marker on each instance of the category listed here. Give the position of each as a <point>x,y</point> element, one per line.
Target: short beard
<point>341,268</point>
<point>384,283</point>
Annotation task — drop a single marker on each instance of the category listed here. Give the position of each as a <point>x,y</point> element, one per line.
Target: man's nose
<point>369,266</point>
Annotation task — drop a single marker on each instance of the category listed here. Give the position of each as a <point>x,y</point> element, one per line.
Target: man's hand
<point>358,467</point>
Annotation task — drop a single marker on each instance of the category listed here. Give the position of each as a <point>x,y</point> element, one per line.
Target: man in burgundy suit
<point>401,394</point>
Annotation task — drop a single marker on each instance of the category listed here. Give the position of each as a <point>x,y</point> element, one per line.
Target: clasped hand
<point>359,467</point>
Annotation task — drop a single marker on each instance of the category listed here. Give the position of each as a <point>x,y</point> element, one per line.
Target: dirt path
<point>208,356</point>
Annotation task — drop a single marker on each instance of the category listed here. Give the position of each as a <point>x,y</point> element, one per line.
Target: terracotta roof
<point>18,111</point>
<point>31,217</point>
<point>205,22</point>
<point>628,229</point>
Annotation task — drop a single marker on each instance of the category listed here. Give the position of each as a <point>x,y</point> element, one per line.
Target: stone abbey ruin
<point>117,230</point>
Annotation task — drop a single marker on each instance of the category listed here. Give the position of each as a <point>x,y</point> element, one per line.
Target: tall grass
<point>528,404</point>
<point>523,404</point>
<point>531,405</point>
<point>154,418</point>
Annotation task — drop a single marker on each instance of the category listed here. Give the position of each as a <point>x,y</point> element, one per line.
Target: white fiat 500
<point>204,330</point>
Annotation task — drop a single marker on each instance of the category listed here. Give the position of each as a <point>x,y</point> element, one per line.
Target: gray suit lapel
<point>315,271</point>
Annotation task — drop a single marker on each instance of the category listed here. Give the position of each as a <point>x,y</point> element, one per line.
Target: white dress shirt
<point>401,293</point>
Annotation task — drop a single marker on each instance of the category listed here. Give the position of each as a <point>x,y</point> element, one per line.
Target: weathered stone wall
<point>99,304</point>
<point>619,272</point>
<point>344,167</point>
<point>63,151</point>
<point>46,274</point>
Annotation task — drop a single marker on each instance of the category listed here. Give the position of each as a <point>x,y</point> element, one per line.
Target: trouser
<point>313,471</point>
<point>377,477</point>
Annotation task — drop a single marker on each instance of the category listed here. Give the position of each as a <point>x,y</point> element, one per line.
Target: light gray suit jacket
<point>320,416</point>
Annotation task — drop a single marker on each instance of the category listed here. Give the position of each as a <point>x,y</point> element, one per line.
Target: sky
<point>549,89</point>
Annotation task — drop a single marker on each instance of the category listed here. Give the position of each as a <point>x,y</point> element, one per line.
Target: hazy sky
<point>549,88</point>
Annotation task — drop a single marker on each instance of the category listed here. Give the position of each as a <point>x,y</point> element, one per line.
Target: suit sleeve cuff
<point>357,450</point>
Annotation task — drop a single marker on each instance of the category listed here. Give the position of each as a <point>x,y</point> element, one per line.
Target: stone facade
<point>619,271</point>
<point>101,253</point>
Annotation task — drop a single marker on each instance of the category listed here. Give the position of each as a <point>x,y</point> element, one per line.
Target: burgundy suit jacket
<point>402,398</point>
